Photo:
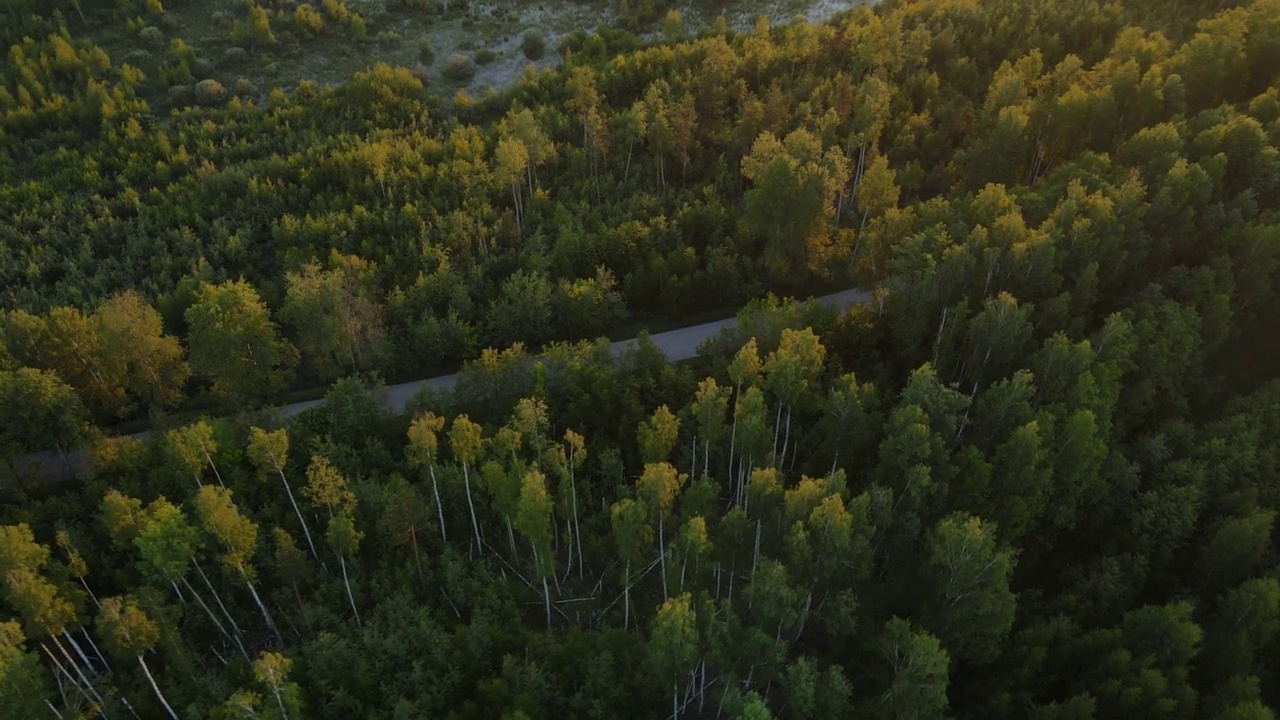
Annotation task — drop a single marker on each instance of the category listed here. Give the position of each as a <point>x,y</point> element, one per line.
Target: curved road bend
<point>676,345</point>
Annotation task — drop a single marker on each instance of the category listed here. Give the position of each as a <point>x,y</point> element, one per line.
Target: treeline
<point>1034,477</point>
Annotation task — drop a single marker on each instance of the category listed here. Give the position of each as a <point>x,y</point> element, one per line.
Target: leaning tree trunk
<point>350,598</point>
<point>306,531</point>
<point>262,608</point>
<point>159,695</point>
<point>475,524</point>
<point>435,490</point>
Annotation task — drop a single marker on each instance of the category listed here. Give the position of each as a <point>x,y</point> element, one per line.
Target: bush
<point>245,88</point>
<point>137,57</point>
<point>210,92</point>
<point>485,57</point>
<point>234,56</point>
<point>533,44</point>
<point>308,19</point>
<point>459,68</point>
<point>180,93</point>
<point>426,53</point>
<point>152,36</point>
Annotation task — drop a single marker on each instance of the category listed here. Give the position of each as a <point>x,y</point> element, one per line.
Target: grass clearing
<point>395,36</point>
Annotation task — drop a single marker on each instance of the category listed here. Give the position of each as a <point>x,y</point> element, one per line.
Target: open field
<point>488,33</point>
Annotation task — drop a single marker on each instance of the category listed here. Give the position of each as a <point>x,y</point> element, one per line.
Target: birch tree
<point>466,441</point>
<point>129,633</point>
<point>658,488</point>
<point>270,451</point>
<point>194,446</point>
<point>238,537</point>
<point>424,445</point>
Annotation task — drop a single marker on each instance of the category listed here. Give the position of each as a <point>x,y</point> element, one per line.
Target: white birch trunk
<point>475,524</point>
<point>159,695</point>
<point>350,598</point>
<point>435,490</point>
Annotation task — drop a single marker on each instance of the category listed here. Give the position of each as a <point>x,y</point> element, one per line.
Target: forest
<point>1036,476</point>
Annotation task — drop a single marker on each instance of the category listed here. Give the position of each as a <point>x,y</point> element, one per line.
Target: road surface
<point>676,345</point>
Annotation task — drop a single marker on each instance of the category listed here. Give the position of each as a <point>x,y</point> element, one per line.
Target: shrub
<point>308,19</point>
<point>426,53</point>
<point>459,68</point>
<point>234,55</point>
<point>245,88</point>
<point>485,57</point>
<point>533,44</point>
<point>210,92</point>
<point>152,36</point>
<point>180,93</point>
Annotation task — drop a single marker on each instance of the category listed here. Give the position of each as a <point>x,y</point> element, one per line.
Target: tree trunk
<point>74,666</point>
<point>626,594</point>
<point>262,608</point>
<point>435,490</point>
<point>546,594</point>
<point>217,598</point>
<point>215,467</point>
<point>786,438</point>
<point>275,690</point>
<point>306,531</point>
<point>96,652</point>
<point>511,539</point>
<point>733,434</point>
<point>777,425</point>
<point>350,598</point>
<point>577,534</point>
<point>218,623</point>
<point>302,608</point>
<point>475,524</point>
<point>89,693</point>
<point>662,558</point>
<point>79,651</point>
<point>417,559</point>
<point>159,695</point>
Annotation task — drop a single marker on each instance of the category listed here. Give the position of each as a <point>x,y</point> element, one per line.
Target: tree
<point>533,520</point>
<point>167,543</point>
<point>40,411</point>
<point>46,612</point>
<point>406,513</point>
<point>657,436</point>
<point>67,344</point>
<point>22,684</point>
<point>194,446</point>
<point>424,444</point>
<point>269,450</point>
<point>709,407</point>
<point>338,323</point>
<point>237,535</point>
<point>344,539</point>
<point>794,186</point>
<point>791,371</point>
<point>128,632</point>
<point>272,670</point>
<point>918,665</point>
<point>327,486</point>
<point>633,536</point>
<point>134,344</point>
<point>466,441</point>
<point>657,488</point>
<point>673,643</point>
<point>234,342</point>
<point>971,606</point>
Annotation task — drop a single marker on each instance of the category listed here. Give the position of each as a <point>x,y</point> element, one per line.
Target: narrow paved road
<point>677,345</point>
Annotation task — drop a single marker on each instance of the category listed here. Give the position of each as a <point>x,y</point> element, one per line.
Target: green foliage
<point>1032,477</point>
